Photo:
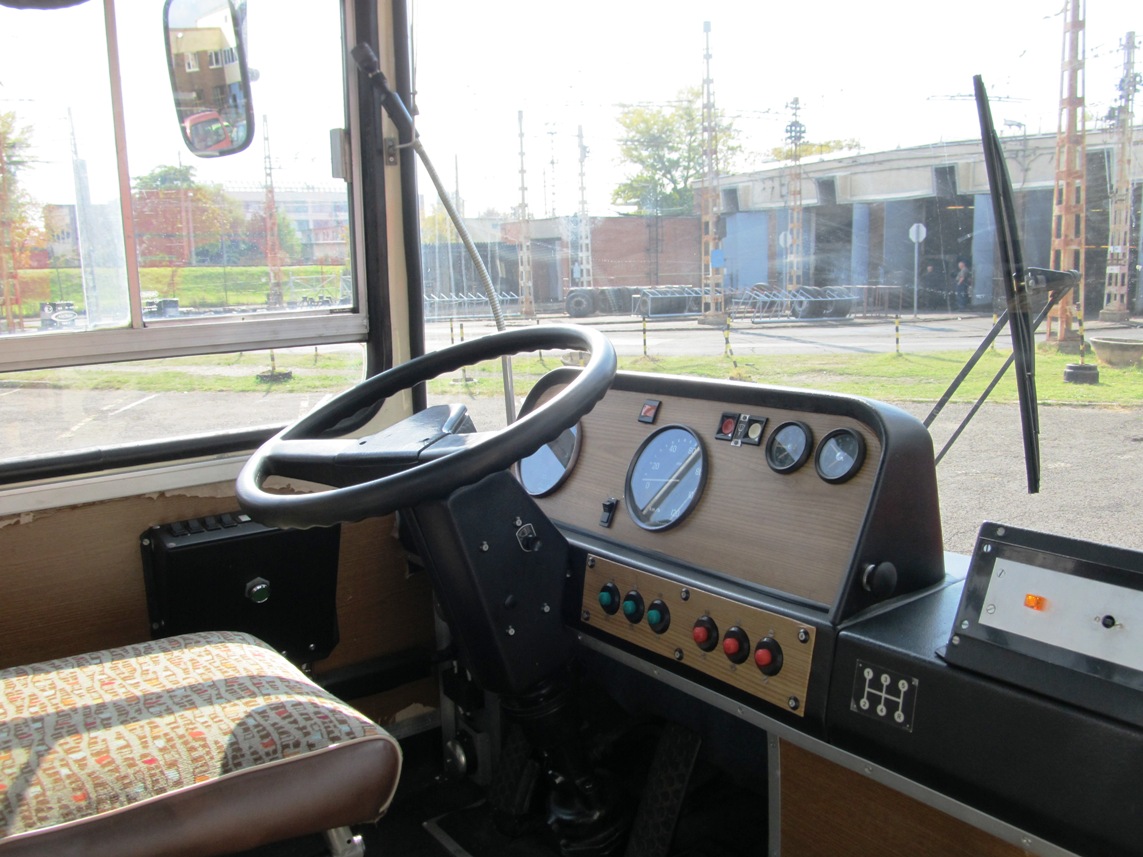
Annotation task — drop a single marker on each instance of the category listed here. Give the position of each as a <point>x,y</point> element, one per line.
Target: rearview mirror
<point>210,82</point>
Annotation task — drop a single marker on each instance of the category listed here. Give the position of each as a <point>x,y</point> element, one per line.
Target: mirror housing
<point>210,81</point>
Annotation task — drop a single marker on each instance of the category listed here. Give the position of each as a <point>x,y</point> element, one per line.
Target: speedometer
<point>665,478</point>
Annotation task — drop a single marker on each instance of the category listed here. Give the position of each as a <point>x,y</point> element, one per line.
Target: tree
<point>805,150</point>
<point>665,146</point>
<point>18,234</point>
<point>181,222</point>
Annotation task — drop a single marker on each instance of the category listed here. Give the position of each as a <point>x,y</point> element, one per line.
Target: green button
<point>605,599</point>
<point>630,608</point>
<point>654,617</point>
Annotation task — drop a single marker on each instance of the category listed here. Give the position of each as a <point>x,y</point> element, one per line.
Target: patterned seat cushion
<point>94,744</point>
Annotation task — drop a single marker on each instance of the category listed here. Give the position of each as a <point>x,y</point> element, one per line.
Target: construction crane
<point>713,301</point>
<point>1119,232</point>
<point>1069,220</point>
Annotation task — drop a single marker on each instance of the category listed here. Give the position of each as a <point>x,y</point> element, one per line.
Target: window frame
<point>145,339</point>
<point>369,323</point>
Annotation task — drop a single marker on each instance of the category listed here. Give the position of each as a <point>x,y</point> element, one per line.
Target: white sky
<point>861,70</point>
<point>877,71</point>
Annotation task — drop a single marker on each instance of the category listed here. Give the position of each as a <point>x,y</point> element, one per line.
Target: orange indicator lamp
<point>1036,602</point>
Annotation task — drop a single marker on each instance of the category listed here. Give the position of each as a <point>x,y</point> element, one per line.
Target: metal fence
<point>468,305</point>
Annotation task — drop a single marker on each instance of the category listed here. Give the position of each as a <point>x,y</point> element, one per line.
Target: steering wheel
<point>424,457</point>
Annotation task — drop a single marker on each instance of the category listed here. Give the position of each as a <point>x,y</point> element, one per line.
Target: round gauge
<point>546,469</point>
<point>665,478</point>
<point>788,447</point>
<point>840,455</point>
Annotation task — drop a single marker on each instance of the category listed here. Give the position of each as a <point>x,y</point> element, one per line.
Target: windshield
<point>793,195</point>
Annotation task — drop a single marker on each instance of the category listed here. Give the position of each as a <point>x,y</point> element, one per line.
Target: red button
<point>763,657</point>
<point>731,646</point>
<point>701,634</point>
<point>728,425</point>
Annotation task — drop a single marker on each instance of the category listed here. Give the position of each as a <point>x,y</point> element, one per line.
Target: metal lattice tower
<point>795,136</point>
<point>1119,232</point>
<point>585,279</point>
<point>270,214</point>
<point>524,240</point>
<point>1069,220</point>
<point>713,303</point>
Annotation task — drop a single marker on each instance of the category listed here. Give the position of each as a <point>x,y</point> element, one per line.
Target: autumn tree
<point>19,234</point>
<point>181,222</point>
<point>664,146</point>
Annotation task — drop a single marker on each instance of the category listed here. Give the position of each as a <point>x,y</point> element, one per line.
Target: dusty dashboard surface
<point>725,527</point>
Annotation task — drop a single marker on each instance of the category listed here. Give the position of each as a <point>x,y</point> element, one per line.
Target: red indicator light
<point>701,634</point>
<point>1036,602</point>
<point>763,657</point>
<point>731,646</point>
<point>728,425</point>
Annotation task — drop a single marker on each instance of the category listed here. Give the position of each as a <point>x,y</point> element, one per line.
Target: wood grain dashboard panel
<point>793,533</point>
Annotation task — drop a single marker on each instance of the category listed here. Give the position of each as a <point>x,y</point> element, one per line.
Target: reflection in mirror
<point>209,80</point>
<point>545,469</point>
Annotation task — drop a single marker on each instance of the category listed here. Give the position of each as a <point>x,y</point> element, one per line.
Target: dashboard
<point>726,527</point>
<point>776,554</point>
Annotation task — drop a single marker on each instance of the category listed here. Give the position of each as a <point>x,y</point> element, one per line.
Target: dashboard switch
<point>658,616</point>
<point>768,656</point>
<point>609,599</point>
<point>705,633</point>
<point>736,645</point>
<point>633,607</point>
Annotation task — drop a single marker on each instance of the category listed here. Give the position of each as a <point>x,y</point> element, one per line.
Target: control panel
<point>1055,615</point>
<point>756,651</point>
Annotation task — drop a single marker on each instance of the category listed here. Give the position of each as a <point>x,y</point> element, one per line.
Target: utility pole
<point>714,310</point>
<point>585,279</point>
<point>524,241</point>
<point>1069,219</point>
<point>795,136</point>
<point>1119,232</point>
<point>274,299</point>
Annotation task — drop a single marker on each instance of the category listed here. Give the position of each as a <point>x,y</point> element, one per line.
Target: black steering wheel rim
<point>436,478</point>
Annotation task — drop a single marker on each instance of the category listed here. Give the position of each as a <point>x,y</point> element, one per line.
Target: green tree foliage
<point>808,150</point>
<point>664,146</point>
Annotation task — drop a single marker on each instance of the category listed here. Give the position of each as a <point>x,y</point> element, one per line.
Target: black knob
<point>880,580</point>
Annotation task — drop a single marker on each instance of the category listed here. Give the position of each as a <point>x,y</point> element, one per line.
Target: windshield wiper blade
<point>1015,292</point>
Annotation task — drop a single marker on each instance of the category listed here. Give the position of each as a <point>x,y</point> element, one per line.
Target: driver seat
<point>200,744</point>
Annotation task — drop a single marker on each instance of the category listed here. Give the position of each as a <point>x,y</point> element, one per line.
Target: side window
<point>152,292</point>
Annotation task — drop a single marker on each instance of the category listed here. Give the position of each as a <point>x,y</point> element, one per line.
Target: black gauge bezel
<point>689,506</point>
<point>806,449</point>
<point>854,466</point>
<point>577,444</point>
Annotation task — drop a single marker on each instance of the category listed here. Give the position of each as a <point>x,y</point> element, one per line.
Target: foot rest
<point>197,744</point>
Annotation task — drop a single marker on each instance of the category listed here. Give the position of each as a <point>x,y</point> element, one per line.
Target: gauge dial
<point>665,478</point>
<point>545,470</point>
<point>840,455</point>
<point>789,447</point>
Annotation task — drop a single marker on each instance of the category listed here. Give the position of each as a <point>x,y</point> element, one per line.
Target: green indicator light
<point>654,617</point>
<point>629,608</point>
<point>605,599</point>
